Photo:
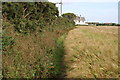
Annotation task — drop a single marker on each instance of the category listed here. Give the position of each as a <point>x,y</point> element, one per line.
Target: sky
<point>93,10</point>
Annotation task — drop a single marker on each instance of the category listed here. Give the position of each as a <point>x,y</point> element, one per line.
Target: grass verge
<point>58,56</point>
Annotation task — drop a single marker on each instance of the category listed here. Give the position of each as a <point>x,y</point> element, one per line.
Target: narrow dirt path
<point>91,52</point>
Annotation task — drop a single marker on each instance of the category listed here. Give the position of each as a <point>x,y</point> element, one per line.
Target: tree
<point>27,16</point>
<point>70,16</point>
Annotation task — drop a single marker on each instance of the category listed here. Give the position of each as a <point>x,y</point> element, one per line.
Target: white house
<point>80,20</point>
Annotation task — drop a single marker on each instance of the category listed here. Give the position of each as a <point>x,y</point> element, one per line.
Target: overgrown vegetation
<point>26,17</point>
<point>70,16</point>
<point>33,40</point>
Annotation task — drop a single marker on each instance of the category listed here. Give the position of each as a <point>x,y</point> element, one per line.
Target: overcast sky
<point>92,10</point>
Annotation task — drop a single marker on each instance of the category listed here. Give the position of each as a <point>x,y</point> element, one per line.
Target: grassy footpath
<point>58,56</point>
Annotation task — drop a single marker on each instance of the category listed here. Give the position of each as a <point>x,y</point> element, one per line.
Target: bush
<point>27,16</point>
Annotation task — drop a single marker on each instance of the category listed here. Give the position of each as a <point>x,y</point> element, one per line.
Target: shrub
<point>27,16</point>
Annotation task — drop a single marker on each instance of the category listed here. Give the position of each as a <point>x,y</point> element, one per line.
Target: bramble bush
<point>28,16</point>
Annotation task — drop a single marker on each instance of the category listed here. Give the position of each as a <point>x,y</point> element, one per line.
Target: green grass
<point>58,56</point>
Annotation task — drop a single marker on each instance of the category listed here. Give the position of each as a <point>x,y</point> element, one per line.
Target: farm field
<point>92,52</point>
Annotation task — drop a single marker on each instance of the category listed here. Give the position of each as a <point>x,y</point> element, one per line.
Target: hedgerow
<point>42,21</point>
<point>26,17</point>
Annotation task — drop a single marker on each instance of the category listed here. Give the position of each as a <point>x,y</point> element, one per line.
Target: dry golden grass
<point>92,51</point>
